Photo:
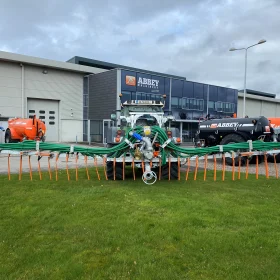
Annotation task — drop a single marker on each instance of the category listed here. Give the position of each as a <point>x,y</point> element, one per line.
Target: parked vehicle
<point>235,130</point>
<point>25,129</point>
<point>144,123</point>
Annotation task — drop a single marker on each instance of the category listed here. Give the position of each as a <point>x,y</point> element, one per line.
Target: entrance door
<point>47,111</point>
<point>106,125</point>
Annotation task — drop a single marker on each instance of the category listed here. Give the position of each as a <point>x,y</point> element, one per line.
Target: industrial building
<point>258,104</point>
<point>76,98</point>
<point>52,90</point>
<point>189,102</point>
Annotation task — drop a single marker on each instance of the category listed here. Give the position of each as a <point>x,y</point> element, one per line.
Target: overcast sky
<point>189,38</point>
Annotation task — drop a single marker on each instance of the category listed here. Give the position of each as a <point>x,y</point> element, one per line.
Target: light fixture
<point>246,49</point>
<point>262,41</point>
<point>45,71</point>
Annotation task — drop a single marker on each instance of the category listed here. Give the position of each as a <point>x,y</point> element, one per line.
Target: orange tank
<point>25,129</point>
<point>275,122</point>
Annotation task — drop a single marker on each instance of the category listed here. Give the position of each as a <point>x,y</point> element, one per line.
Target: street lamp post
<point>244,92</point>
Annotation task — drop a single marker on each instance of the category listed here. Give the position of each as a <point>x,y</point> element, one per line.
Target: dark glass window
<point>51,112</point>
<point>41,117</point>
<point>177,88</point>
<point>51,117</point>
<point>31,111</point>
<point>228,107</point>
<point>219,106</point>
<point>126,95</point>
<point>41,112</point>
<point>213,93</point>
<point>176,102</point>
<point>51,123</point>
<point>222,94</point>
<point>198,91</point>
<point>188,89</point>
<point>157,97</point>
<point>193,104</point>
<point>211,105</point>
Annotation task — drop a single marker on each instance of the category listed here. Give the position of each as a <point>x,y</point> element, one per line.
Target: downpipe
<point>22,90</point>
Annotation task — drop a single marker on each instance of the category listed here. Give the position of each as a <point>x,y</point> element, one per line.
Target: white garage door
<point>47,111</point>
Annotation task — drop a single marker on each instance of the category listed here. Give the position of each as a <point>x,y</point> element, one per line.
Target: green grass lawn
<point>128,230</point>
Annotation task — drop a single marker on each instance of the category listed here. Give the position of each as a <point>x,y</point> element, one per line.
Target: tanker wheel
<point>253,159</point>
<point>8,136</point>
<point>118,170</point>
<point>231,139</point>
<point>270,158</point>
<point>236,138</point>
<point>173,171</point>
<point>110,146</point>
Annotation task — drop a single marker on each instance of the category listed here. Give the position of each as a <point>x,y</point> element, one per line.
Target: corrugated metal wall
<point>58,85</point>
<point>256,107</point>
<point>10,89</point>
<point>64,86</point>
<point>102,95</point>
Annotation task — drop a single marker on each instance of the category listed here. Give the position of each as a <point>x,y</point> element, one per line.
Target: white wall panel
<point>63,86</point>
<point>70,129</point>
<point>258,107</point>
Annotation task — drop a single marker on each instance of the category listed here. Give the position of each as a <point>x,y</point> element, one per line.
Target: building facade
<point>51,90</point>
<point>258,104</point>
<point>76,98</point>
<point>189,102</point>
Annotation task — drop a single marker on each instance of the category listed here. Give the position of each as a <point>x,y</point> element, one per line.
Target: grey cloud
<point>166,39</point>
<point>130,43</point>
<point>185,38</point>
<point>264,65</point>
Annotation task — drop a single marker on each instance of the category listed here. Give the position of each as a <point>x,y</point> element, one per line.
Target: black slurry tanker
<point>234,130</point>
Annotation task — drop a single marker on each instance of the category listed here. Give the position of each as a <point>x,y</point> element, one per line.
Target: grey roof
<point>109,66</point>
<point>24,59</point>
<point>258,93</point>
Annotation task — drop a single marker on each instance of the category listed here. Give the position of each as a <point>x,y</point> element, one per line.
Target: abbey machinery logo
<point>130,80</point>
<point>142,82</point>
<point>148,83</point>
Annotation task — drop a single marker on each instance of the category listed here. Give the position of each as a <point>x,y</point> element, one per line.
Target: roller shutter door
<point>47,111</point>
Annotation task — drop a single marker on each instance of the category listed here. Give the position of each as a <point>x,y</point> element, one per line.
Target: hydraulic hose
<point>123,147</point>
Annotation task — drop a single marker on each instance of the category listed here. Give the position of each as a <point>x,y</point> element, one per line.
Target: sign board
<point>130,80</point>
<point>142,82</point>
<point>143,102</point>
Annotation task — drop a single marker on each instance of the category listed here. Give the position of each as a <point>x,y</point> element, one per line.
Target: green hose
<point>120,149</point>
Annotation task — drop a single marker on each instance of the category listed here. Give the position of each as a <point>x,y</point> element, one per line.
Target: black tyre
<point>231,139</point>
<point>173,171</point>
<point>253,159</point>
<point>277,158</point>
<point>118,170</point>
<point>8,136</point>
<point>110,146</point>
<point>270,158</point>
